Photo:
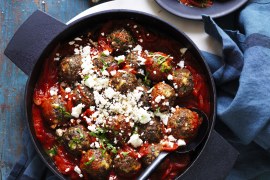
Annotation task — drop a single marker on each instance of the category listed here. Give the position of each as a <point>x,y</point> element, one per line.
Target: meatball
<point>162,97</point>
<point>184,123</point>
<point>103,61</point>
<point>152,152</point>
<point>96,163</point>
<point>69,68</point>
<point>118,129</point>
<point>124,81</point>
<point>157,66</point>
<point>54,111</point>
<point>84,95</point>
<point>132,60</point>
<point>120,40</point>
<point>152,131</point>
<point>126,166</point>
<point>76,139</point>
<point>145,99</point>
<point>183,82</point>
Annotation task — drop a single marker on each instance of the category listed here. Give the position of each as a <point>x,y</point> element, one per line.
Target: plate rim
<point>163,5</point>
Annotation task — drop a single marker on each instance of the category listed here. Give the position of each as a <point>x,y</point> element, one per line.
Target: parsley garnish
<point>146,81</point>
<point>105,65</point>
<point>124,153</point>
<point>53,151</point>
<point>62,111</point>
<point>162,59</point>
<point>90,161</point>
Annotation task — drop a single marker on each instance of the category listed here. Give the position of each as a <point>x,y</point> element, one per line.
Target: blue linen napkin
<point>242,78</point>
<point>243,110</point>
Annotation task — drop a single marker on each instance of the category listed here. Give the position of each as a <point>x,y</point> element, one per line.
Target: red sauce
<point>66,162</point>
<point>197,3</point>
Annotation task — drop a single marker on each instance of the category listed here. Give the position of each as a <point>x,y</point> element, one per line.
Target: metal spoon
<point>191,146</point>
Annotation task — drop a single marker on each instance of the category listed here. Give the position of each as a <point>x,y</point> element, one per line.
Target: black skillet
<point>40,34</point>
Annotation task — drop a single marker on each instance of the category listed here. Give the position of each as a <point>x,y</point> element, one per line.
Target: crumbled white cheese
<point>181,142</point>
<point>171,138</point>
<point>106,53</point>
<point>78,39</point>
<point>137,48</point>
<point>181,64</point>
<point>164,117</point>
<point>183,50</point>
<point>56,58</point>
<point>135,140</point>
<point>113,72</point>
<point>170,77</point>
<point>67,170</point>
<point>135,26</point>
<point>59,132</point>
<point>67,90</point>
<point>102,34</point>
<point>77,170</point>
<point>71,42</point>
<point>77,110</point>
<point>53,91</point>
<point>158,99</point>
<point>92,128</point>
<point>120,58</point>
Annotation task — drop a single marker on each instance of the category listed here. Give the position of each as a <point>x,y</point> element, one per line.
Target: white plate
<point>194,29</point>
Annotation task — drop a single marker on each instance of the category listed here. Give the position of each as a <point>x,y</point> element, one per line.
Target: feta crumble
<point>135,140</point>
<point>77,110</point>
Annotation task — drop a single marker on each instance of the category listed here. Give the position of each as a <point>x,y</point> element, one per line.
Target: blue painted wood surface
<point>12,80</point>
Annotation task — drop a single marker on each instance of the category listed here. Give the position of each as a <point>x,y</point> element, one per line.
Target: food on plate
<point>197,3</point>
<point>110,99</point>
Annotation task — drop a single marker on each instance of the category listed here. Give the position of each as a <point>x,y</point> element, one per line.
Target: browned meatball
<point>120,40</point>
<point>76,139</point>
<point>69,68</point>
<point>124,81</point>
<point>183,82</point>
<point>184,123</point>
<point>103,61</point>
<point>145,99</point>
<point>118,129</point>
<point>162,97</point>
<point>152,131</point>
<point>152,151</point>
<point>84,95</point>
<point>126,166</point>
<point>132,60</point>
<point>157,66</point>
<point>54,111</point>
<point>96,163</point>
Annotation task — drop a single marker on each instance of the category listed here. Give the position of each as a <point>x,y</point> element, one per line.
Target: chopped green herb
<point>53,151</point>
<point>112,148</point>
<point>165,67</point>
<point>62,112</point>
<point>124,153</point>
<point>157,110</point>
<point>85,77</point>
<point>146,81</point>
<point>90,161</point>
<point>120,61</point>
<point>162,59</point>
<point>105,65</point>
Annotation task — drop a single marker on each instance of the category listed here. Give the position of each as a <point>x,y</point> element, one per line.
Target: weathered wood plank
<point>12,80</point>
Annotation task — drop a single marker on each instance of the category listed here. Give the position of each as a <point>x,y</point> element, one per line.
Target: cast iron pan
<point>40,34</point>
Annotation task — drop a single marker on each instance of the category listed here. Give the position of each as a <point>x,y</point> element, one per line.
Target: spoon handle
<point>153,166</point>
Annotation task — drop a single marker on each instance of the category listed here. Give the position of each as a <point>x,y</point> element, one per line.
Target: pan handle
<point>217,159</point>
<point>29,41</point>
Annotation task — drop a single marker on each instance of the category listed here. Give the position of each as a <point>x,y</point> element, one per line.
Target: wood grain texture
<point>12,80</point>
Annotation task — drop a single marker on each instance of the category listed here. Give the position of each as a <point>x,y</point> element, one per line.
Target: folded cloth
<point>243,109</point>
<point>242,78</point>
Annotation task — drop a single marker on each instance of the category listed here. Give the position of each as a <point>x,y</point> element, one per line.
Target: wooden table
<point>12,80</point>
